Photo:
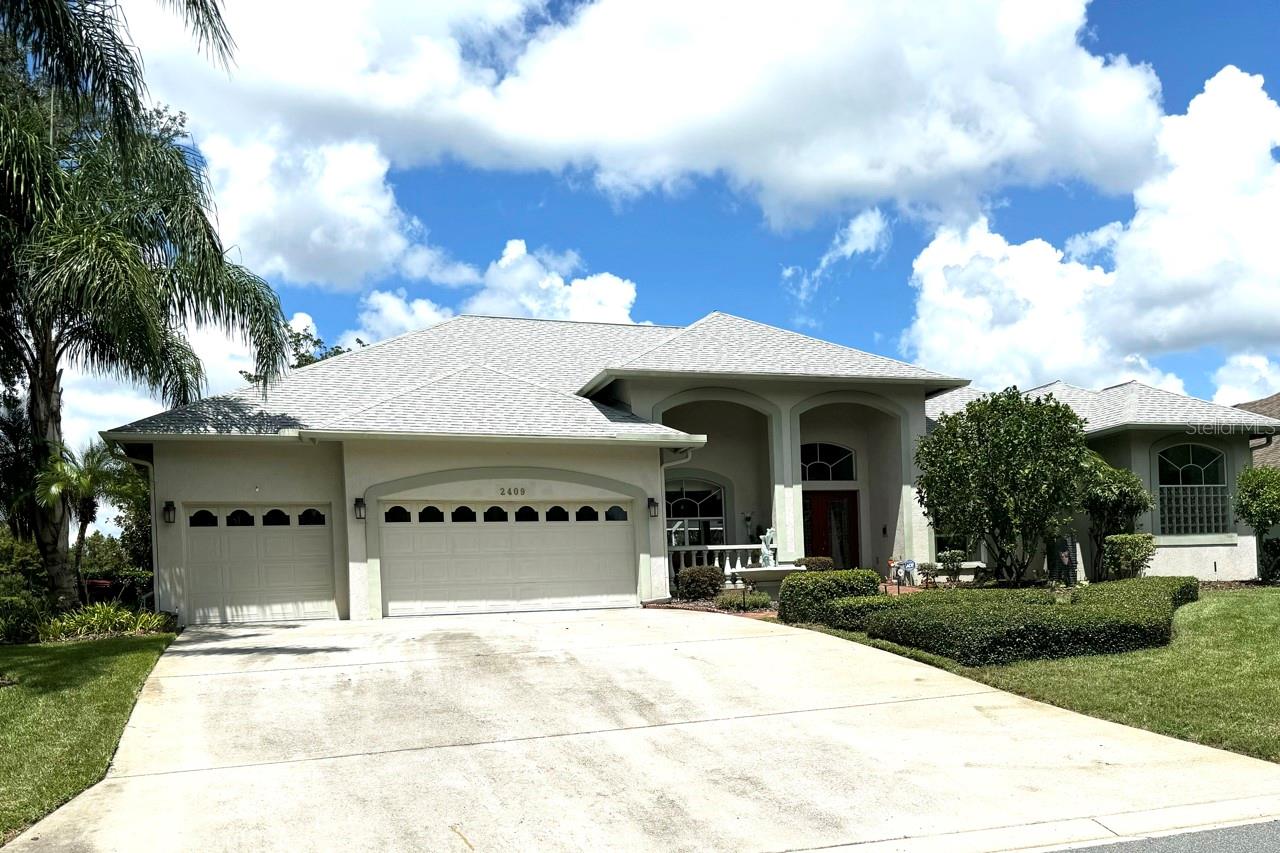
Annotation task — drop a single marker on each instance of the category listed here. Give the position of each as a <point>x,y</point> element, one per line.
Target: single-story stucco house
<point>1187,451</point>
<point>493,464</point>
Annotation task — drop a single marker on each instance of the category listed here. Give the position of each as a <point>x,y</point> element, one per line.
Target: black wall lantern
<point>359,508</point>
<point>170,512</point>
<point>653,507</point>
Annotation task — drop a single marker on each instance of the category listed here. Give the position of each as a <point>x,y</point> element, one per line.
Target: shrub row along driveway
<point>629,729</point>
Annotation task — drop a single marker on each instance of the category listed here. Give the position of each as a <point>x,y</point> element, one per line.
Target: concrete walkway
<point>617,730</point>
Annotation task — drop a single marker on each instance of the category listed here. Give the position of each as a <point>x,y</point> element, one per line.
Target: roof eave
<point>604,377</point>
<point>640,440</point>
<point>1209,428</point>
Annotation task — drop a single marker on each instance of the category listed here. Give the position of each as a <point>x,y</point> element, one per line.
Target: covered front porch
<point>828,475</point>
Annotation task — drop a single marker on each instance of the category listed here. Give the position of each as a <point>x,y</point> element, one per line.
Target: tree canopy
<point>1113,498</point>
<point>1005,471</point>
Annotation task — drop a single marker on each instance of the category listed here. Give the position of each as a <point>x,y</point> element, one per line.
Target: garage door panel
<point>461,567</point>
<point>259,573</point>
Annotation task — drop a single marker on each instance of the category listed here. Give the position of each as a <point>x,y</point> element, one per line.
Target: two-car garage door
<point>259,563</point>
<point>464,557</point>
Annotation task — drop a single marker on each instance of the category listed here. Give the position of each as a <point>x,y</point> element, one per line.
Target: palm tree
<point>107,257</point>
<point>82,48</point>
<point>81,483</point>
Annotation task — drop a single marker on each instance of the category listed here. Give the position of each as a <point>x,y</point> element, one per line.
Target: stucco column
<point>788,498</point>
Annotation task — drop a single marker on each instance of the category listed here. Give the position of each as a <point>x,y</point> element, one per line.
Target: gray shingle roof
<point>724,344</point>
<point>1269,406</point>
<point>417,383</point>
<point>1130,404</point>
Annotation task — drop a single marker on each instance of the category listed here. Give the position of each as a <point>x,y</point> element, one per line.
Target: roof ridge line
<point>331,359</point>
<point>563,320</point>
<point>679,330</point>
<point>571,395</point>
<point>389,397</point>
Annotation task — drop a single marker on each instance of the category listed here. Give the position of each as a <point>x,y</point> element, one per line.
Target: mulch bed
<point>710,607</point>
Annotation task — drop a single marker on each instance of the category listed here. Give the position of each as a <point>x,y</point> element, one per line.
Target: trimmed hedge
<point>805,595</point>
<point>983,627</point>
<point>733,599</point>
<point>816,564</point>
<point>696,583</point>
<point>853,613</point>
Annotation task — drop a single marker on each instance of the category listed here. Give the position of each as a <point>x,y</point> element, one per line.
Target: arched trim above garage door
<point>373,536</point>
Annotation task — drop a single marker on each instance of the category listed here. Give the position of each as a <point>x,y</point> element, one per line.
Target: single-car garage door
<point>450,557</point>
<point>259,563</point>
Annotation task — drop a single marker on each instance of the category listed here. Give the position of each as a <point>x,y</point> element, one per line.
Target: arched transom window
<point>822,462</point>
<point>1193,490</point>
<point>695,513</point>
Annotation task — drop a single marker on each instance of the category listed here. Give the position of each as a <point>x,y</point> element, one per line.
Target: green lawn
<point>1217,683</point>
<point>62,718</point>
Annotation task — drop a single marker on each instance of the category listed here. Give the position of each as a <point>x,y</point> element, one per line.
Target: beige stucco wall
<point>369,463</point>
<point>241,471</point>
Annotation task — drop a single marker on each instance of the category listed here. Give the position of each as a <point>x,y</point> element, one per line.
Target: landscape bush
<point>853,613</point>
<point>816,564</point>
<point>698,583</point>
<point>104,620</point>
<point>735,599</point>
<point>805,595</point>
<point>951,564</point>
<point>1128,554</point>
<point>22,609</point>
<point>1269,566</point>
<point>983,627</point>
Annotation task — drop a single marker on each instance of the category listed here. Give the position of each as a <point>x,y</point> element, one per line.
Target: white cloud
<point>865,233</point>
<point>385,314</point>
<point>821,107</point>
<point>1198,264</point>
<point>1246,376</point>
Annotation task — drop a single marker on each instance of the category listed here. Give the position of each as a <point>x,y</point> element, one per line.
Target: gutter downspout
<point>676,459</point>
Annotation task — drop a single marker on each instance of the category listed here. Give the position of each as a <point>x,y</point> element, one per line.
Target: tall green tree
<point>1113,498</point>
<point>83,483</point>
<point>108,255</point>
<point>17,467</point>
<point>1005,470</point>
<point>1257,504</point>
<point>83,50</point>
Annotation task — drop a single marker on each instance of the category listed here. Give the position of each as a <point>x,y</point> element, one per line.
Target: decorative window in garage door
<point>202,518</point>
<point>275,518</point>
<point>239,518</point>
<point>396,515</point>
<point>311,517</point>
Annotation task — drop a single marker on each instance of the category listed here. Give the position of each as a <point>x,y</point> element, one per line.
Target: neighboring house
<point>509,464</point>
<point>1187,451</point>
<point>1266,450</point>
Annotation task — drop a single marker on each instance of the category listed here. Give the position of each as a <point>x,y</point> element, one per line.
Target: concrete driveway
<point>609,730</point>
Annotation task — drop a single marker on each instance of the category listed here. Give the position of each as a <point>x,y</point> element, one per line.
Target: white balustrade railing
<point>729,558</point>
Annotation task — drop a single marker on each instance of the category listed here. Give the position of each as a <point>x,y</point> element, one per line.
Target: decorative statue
<point>766,549</point>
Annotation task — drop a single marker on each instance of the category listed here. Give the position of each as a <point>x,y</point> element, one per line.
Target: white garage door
<point>449,557</point>
<point>259,563</point>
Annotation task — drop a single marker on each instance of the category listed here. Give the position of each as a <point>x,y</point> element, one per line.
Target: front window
<point>695,513</point>
<point>821,462</point>
<point>1193,490</point>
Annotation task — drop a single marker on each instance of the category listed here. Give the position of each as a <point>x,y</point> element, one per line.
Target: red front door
<point>831,527</point>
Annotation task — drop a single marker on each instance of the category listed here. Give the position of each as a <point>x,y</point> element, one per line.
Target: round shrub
<point>805,595</point>
<point>951,562</point>
<point>852,614</point>
<point>816,564</point>
<point>1127,555</point>
<point>697,583</point>
<point>735,599</point>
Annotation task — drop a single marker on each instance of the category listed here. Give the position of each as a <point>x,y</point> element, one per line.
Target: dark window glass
<point>615,513</point>
<point>495,513</point>
<point>430,515</point>
<point>557,513</point>
<point>587,513</point>
<point>463,514</point>
<point>275,518</point>
<point>240,518</point>
<point>202,518</point>
<point>526,513</point>
<point>396,515</point>
<point>822,462</point>
<point>310,517</point>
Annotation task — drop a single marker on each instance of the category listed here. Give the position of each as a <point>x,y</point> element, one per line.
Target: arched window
<point>615,513</point>
<point>311,517</point>
<point>463,514</point>
<point>586,513</point>
<point>695,513</point>
<point>526,513</point>
<point>557,513</point>
<point>822,462</point>
<point>275,518</point>
<point>239,518</point>
<point>495,513</point>
<point>1193,492</point>
<point>430,515</point>
<point>396,515</point>
<point>202,518</point>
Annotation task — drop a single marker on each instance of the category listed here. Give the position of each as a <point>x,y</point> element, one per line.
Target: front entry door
<point>831,527</point>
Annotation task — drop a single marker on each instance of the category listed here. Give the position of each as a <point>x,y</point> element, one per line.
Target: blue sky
<point>655,172</point>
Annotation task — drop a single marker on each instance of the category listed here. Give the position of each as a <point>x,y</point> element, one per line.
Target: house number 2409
<point>510,491</point>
